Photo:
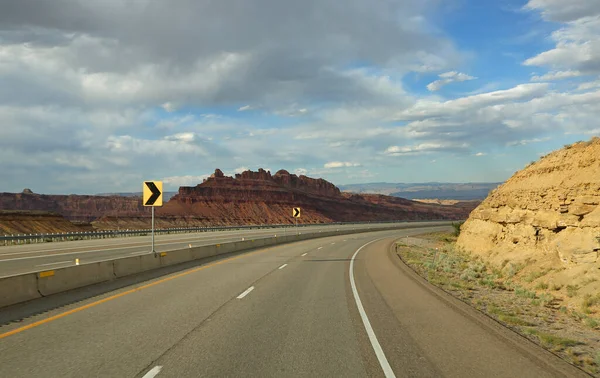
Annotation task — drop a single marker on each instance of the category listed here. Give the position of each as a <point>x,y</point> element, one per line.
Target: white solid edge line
<point>304,254</point>
<point>153,373</point>
<point>283,266</point>
<point>245,292</point>
<point>385,365</point>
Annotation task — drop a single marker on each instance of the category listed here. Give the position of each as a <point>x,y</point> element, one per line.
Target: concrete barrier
<point>245,245</point>
<point>270,241</point>
<point>64,279</point>
<point>225,248</point>
<point>175,257</point>
<point>258,243</point>
<point>18,289</point>
<point>132,265</point>
<point>204,252</point>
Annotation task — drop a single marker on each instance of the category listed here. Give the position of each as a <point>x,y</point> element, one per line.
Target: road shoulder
<point>440,331</point>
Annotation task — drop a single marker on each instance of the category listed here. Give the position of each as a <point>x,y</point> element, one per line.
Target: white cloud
<point>182,137</point>
<point>427,108</point>
<point>291,111</point>
<point>169,107</point>
<point>177,181</point>
<point>447,78</point>
<point>340,164</point>
<point>557,75</point>
<point>245,108</point>
<point>577,42</point>
<point>589,85</point>
<point>527,141</point>
<point>240,169</point>
<point>480,154</point>
<point>424,148</point>
<point>301,171</point>
<point>564,11</point>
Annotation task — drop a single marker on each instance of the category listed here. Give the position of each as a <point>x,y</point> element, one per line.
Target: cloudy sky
<point>97,96</point>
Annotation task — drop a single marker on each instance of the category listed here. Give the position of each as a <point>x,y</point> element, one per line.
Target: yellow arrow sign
<point>153,193</point>
<point>296,212</point>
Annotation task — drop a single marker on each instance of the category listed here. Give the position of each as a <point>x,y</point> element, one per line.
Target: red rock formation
<point>74,207</point>
<point>259,197</point>
<point>248,198</point>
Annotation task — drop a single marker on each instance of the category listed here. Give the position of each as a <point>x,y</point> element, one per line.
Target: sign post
<point>296,215</point>
<point>153,197</point>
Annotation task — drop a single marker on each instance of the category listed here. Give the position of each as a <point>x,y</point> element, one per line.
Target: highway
<point>342,306</point>
<point>20,259</point>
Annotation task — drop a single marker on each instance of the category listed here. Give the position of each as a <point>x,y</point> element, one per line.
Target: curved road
<point>306,309</point>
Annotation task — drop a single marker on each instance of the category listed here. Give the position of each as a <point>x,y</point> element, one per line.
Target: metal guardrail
<point>88,235</point>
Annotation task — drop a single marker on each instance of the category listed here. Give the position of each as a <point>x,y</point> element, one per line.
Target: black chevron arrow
<point>296,212</point>
<point>155,193</point>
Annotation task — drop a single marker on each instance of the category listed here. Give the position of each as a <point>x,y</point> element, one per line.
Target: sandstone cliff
<point>248,198</point>
<point>259,197</point>
<point>545,217</point>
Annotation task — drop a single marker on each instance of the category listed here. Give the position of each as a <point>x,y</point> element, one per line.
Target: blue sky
<point>96,98</point>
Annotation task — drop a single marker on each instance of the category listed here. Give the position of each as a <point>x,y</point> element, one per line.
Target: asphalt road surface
<point>316,308</point>
<point>28,258</point>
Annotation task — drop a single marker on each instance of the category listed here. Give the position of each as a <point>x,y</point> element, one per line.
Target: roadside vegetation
<point>521,301</point>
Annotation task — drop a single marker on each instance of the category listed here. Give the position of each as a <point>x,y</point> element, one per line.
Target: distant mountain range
<point>428,190</point>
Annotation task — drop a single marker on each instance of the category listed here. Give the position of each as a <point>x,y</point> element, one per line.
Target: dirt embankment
<point>76,208</point>
<point>37,222</point>
<point>550,314</point>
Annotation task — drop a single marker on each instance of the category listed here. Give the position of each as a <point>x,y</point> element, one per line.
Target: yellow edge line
<point>90,305</point>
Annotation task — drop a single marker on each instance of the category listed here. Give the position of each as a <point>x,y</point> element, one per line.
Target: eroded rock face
<point>549,208</point>
<point>74,207</point>
<point>259,197</point>
<point>248,198</point>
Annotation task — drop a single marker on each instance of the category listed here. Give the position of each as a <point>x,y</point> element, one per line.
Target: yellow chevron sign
<point>153,193</point>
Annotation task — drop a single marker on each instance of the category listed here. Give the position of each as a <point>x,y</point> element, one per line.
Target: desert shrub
<point>457,228</point>
<point>524,293</point>
<point>572,290</point>
<point>592,323</point>
<point>541,286</point>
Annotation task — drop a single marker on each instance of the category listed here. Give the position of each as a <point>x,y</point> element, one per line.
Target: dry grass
<point>554,342</point>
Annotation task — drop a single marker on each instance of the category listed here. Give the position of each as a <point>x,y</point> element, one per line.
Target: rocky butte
<point>260,198</point>
<point>545,218</point>
<point>247,198</point>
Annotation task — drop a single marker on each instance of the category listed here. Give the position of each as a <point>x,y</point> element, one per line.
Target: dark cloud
<point>286,50</point>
